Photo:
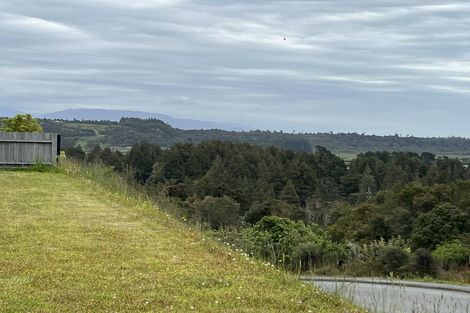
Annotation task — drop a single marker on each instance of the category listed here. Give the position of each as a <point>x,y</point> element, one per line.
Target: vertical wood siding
<point>21,149</point>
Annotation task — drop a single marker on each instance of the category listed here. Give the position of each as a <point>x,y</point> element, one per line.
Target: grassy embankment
<point>67,244</point>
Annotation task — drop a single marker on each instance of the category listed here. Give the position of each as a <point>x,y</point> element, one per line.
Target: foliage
<point>394,259</point>
<point>311,255</point>
<point>443,223</point>
<point>425,215</point>
<point>141,160</point>
<point>285,242</point>
<point>376,257</point>
<point>289,194</point>
<point>422,263</point>
<point>219,212</point>
<point>454,252</point>
<point>76,153</point>
<point>106,156</point>
<point>21,123</point>
<point>274,207</point>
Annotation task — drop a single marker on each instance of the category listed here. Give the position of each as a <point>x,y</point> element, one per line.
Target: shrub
<point>368,259</point>
<point>219,212</point>
<point>394,259</point>
<point>444,222</point>
<point>452,253</point>
<point>307,255</point>
<point>75,153</point>
<point>422,263</point>
<point>275,207</point>
<point>285,242</point>
<point>21,123</point>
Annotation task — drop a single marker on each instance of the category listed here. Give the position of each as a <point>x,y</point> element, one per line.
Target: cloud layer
<point>340,65</point>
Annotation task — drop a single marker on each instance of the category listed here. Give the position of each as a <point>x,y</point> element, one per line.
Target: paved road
<point>385,296</point>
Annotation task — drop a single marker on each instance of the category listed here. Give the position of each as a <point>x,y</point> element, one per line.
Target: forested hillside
<point>130,131</point>
<point>399,212</point>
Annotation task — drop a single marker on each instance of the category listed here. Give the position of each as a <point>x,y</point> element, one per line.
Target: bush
<point>307,255</point>
<point>284,242</point>
<point>75,153</point>
<point>274,207</point>
<point>219,212</point>
<point>394,259</point>
<point>422,263</point>
<point>452,253</point>
<point>21,123</point>
<point>369,259</point>
<point>443,223</point>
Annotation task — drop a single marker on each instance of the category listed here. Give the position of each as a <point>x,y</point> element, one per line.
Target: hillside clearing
<point>67,245</point>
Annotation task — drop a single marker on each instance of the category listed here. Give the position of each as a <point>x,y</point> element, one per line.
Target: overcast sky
<point>380,67</point>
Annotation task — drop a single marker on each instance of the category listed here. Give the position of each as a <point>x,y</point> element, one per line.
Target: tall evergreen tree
<point>367,185</point>
<point>141,160</point>
<point>289,194</point>
<point>216,181</point>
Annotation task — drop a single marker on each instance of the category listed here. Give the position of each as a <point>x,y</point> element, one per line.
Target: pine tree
<point>215,182</point>
<point>289,194</point>
<point>141,160</point>
<point>367,185</point>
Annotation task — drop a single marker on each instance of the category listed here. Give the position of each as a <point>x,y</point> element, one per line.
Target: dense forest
<point>130,131</point>
<point>384,212</point>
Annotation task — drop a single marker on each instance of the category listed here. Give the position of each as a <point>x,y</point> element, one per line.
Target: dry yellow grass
<point>68,245</point>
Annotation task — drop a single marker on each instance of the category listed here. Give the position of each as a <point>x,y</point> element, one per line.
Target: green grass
<point>347,156</point>
<point>69,245</point>
<point>99,128</point>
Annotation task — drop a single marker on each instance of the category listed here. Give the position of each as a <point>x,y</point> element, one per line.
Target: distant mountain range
<point>116,115</point>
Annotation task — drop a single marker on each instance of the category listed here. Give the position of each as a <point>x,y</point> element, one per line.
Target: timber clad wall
<point>23,149</point>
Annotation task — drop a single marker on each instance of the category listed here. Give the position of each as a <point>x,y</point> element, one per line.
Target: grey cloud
<point>377,67</point>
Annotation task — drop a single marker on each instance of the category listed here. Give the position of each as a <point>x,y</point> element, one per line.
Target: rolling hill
<point>67,245</point>
<point>128,131</point>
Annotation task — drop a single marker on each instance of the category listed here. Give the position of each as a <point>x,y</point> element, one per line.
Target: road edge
<point>381,281</point>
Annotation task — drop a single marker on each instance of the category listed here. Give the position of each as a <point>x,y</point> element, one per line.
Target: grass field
<point>67,245</point>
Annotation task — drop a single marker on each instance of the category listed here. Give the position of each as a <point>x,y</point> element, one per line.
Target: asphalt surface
<point>388,296</point>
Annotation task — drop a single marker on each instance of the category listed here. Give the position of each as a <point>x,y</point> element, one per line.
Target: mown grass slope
<point>67,245</point>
